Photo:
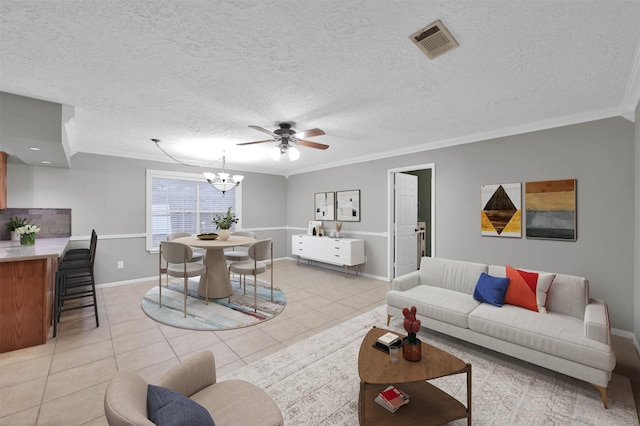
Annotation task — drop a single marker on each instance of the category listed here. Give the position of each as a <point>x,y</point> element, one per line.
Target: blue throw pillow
<point>491,289</point>
<point>167,407</point>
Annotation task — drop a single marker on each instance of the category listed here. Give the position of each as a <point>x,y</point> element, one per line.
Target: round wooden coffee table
<point>428,404</point>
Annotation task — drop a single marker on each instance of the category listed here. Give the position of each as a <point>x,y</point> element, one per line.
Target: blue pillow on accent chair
<point>167,407</point>
<point>491,289</point>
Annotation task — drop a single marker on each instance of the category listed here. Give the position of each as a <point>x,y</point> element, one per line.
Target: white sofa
<point>572,338</point>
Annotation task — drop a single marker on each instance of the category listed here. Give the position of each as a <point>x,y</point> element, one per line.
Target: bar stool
<point>75,281</point>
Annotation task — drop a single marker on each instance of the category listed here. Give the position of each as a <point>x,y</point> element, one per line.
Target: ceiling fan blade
<point>312,144</point>
<point>309,133</point>
<point>263,130</point>
<point>251,143</point>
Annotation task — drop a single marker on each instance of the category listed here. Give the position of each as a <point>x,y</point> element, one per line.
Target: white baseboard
<point>628,335</point>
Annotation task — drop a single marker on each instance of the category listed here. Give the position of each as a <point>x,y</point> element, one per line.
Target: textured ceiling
<point>195,74</point>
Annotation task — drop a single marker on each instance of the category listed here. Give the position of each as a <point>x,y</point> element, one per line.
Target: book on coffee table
<point>388,339</point>
<point>392,398</point>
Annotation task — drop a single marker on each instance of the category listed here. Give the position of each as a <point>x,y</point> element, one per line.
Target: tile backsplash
<point>52,222</point>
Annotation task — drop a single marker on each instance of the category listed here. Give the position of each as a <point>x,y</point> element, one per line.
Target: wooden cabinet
<point>26,302</point>
<point>335,251</point>
<point>27,291</point>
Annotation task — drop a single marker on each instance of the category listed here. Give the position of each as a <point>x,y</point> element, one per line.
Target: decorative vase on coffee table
<point>410,351</point>
<point>224,234</point>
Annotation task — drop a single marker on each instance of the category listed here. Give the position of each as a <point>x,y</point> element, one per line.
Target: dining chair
<point>198,256</point>
<point>258,252</point>
<point>238,253</point>
<point>177,257</point>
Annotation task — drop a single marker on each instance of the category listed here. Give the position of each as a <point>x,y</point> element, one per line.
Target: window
<point>183,202</point>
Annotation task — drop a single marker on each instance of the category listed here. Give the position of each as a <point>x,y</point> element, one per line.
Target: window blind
<point>181,204</point>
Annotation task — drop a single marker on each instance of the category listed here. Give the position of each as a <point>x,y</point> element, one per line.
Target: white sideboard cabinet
<point>336,251</point>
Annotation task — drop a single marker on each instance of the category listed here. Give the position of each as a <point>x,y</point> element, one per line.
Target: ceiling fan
<point>286,137</point>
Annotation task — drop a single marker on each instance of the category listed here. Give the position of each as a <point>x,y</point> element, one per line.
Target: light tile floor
<point>63,382</point>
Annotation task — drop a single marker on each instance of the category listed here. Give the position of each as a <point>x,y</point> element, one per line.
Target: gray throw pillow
<point>167,407</point>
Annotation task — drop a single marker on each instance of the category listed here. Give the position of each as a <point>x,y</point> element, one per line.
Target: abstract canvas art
<point>501,210</point>
<point>348,206</point>
<point>324,206</point>
<point>551,209</point>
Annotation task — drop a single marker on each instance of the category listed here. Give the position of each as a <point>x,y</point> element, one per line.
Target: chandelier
<point>223,181</point>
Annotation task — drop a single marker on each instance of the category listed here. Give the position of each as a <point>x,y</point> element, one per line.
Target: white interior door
<point>406,222</point>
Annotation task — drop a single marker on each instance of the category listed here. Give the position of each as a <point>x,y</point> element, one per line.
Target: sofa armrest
<point>405,282</point>
<point>596,322</point>
<point>191,376</point>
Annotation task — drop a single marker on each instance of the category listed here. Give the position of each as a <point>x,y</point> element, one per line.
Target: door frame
<point>391,211</point>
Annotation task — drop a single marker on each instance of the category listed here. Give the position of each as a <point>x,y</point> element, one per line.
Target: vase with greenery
<point>28,234</point>
<point>13,224</point>
<point>411,345</point>
<point>223,223</point>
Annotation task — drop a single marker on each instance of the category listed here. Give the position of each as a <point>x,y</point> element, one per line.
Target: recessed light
<point>33,148</point>
<point>46,162</point>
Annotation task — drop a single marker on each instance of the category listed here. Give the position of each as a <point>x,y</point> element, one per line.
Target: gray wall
<point>599,154</point>
<point>108,194</point>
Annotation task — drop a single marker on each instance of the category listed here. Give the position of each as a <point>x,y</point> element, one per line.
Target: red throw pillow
<point>522,289</point>
<point>528,289</point>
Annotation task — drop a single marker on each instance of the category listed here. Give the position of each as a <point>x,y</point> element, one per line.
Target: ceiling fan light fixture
<point>294,154</point>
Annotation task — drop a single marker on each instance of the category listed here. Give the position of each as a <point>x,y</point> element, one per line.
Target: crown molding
<point>477,137</point>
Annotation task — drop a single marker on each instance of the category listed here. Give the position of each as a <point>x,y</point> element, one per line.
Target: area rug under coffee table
<point>219,314</point>
<point>315,382</point>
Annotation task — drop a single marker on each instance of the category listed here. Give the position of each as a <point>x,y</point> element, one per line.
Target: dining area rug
<point>315,382</point>
<point>219,314</point>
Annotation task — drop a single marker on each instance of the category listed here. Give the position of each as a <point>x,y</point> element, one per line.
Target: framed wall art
<point>348,206</point>
<point>501,210</point>
<point>324,206</point>
<point>551,209</point>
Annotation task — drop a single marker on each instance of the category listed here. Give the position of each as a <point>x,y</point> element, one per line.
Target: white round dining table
<point>217,272</point>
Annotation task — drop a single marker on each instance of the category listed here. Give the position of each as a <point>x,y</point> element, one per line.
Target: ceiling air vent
<point>434,39</point>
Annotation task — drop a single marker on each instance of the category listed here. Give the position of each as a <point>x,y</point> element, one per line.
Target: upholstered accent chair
<point>230,402</point>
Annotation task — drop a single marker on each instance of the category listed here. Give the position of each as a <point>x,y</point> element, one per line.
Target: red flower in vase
<point>411,324</point>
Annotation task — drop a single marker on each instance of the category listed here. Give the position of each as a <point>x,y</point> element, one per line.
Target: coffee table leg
<point>361,404</point>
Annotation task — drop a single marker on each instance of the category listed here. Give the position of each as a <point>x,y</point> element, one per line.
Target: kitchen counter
<point>11,251</point>
<point>27,291</point>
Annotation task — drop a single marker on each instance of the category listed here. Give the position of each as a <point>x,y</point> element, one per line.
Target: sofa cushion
<point>167,407</point>
<point>451,274</point>
<point>554,334</point>
<point>491,289</point>
<point>438,303</point>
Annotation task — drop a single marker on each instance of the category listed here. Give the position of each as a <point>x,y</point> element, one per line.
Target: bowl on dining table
<point>211,236</point>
